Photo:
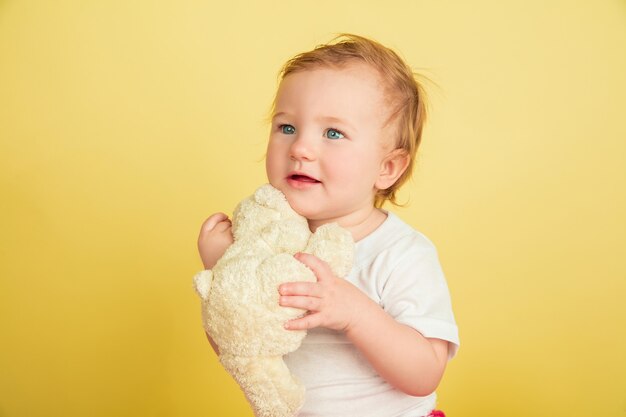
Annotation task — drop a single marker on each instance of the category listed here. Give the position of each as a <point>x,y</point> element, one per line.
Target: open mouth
<point>302,178</point>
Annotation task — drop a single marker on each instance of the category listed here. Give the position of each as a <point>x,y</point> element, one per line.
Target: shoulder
<point>409,238</point>
<point>403,266</point>
<point>395,240</point>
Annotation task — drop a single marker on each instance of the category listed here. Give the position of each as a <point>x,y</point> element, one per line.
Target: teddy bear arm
<point>202,283</point>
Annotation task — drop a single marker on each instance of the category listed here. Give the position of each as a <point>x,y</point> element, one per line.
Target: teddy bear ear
<point>334,245</point>
<point>271,197</point>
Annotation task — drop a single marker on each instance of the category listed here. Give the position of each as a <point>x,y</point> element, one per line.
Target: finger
<point>223,226</point>
<point>309,321</point>
<point>319,267</point>
<point>301,302</point>
<point>311,289</point>
<point>210,223</point>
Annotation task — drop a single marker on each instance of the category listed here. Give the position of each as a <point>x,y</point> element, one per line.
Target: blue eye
<point>288,129</point>
<point>333,134</point>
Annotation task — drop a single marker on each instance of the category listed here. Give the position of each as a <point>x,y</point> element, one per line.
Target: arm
<point>215,237</point>
<point>407,360</point>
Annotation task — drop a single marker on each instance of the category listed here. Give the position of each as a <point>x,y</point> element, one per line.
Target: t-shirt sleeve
<point>416,292</point>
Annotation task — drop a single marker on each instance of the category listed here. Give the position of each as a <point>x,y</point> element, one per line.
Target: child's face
<point>327,141</point>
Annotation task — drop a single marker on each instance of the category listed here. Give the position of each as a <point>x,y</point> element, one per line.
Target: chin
<point>300,203</point>
<point>302,207</point>
<point>299,207</point>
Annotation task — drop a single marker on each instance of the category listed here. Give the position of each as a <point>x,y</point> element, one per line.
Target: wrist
<point>365,315</point>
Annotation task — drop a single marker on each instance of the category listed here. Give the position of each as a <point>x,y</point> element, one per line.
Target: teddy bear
<point>239,296</point>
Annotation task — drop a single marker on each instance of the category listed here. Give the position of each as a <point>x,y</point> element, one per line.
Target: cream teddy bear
<point>240,307</point>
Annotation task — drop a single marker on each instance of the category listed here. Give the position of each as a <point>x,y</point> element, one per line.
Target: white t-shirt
<point>397,267</point>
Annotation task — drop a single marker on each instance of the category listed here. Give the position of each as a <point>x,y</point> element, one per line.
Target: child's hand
<point>401,355</point>
<point>215,237</point>
<point>331,302</point>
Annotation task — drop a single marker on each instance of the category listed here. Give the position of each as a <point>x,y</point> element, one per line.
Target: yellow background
<point>123,124</point>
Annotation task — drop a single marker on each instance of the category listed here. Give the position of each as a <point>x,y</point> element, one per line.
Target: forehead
<point>351,91</point>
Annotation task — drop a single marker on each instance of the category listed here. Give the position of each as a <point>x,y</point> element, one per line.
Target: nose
<point>302,149</point>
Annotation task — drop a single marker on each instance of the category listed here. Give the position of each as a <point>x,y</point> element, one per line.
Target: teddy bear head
<point>268,215</point>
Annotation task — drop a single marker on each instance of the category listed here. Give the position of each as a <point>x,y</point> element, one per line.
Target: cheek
<point>269,161</point>
<point>273,160</point>
<point>355,166</point>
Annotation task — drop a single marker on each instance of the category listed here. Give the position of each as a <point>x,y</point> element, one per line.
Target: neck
<point>360,223</point>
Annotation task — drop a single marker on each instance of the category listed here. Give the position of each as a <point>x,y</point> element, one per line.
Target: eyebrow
<point>332,120</point>
<point>326,119</point>
<point>279,114</point>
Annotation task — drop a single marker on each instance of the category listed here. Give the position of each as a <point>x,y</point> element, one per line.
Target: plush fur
<point>240,296</point>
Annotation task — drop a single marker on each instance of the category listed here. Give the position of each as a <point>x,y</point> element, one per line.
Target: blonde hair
<point>400,82</point>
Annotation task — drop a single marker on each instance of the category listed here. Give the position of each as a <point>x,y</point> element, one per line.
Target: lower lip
<point>301,185</point>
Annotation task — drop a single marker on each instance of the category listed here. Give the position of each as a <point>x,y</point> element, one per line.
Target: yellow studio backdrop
<point>123,124</point>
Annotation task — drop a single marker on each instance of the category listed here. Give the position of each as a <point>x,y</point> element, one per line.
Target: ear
<point>391,168</point>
